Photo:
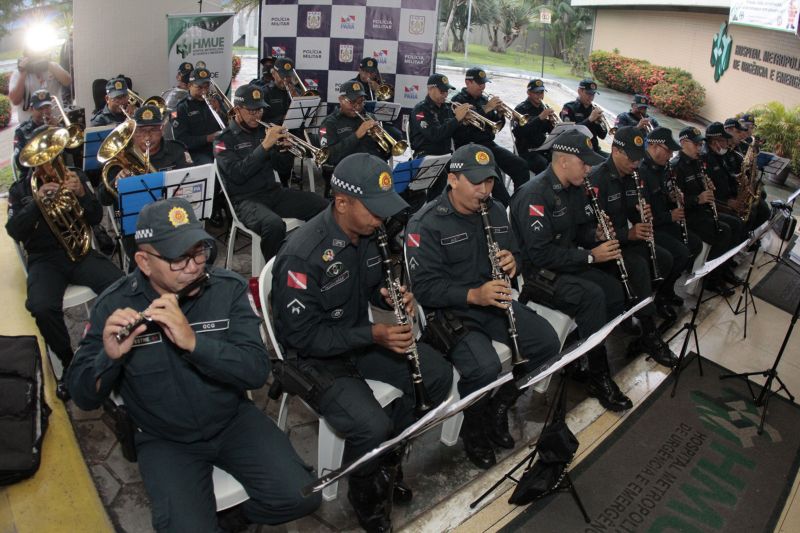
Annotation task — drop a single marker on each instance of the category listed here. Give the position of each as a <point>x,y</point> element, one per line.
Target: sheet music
<point>301,112</point>
<point>195,184</point>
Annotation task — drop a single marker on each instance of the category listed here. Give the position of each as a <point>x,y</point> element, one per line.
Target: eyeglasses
<point>252,112</point>
<point>358,101</point>
<point>200,257</point>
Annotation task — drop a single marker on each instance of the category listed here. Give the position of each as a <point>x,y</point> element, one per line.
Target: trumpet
<point>554,119</point>
<point>604,121</point>
<point>509,112</point>
<point>476,120</point>
<point>75,131</point>
<point>300,148</point>
<point>387,143</point>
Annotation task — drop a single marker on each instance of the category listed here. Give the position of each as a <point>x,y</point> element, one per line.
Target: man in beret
<point>325,278</point>
<point>581,111</point>
<point>540,122</point>
<point>184,374</point>
<point>117,105</point>
<point>245,153</point>
<point>451,273</point>
<point>559,241</point>
<point>617,197</point>
<point>637,116</point>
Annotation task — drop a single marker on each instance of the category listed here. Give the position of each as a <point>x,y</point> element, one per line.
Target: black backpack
<point>23,410</point>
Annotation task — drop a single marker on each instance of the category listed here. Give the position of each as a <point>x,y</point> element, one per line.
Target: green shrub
<point>779,126</point>
<point>5,77</point>
<point>237,66</point>
<point>5,111</point>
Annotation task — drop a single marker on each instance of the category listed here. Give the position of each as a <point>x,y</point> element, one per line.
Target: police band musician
<point>541,119</point>
<point>581,111</point>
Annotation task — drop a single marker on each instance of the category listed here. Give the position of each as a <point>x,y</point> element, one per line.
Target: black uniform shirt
<point>338,133</point>
<point>322,284</point>
<point>724,182</point>
<point>551,221</point>
<point>689,175</point>
<point>533,133</point>
<point>22,135</point>
<point>432,128</point>
<point>278,100</point>
<point>465,133</point>
<point>612,196</point>
<point>655,181</point>
<point>105,117</point>
<point>448,254</point>
<point>193,123</point>
<point>243,163</point>
<point>169,392</point>
<point>578,113</point>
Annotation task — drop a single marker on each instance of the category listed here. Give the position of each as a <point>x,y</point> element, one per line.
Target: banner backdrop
<point>328,39</point>
<point>204,37</point>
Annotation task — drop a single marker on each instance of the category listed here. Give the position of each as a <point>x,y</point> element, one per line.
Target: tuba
<point>60,209</point>
<point>387,143</point>
<point>118,151</point>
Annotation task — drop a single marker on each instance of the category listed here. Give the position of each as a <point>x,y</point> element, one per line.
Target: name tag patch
<point>211,325</point>
<point>243,145</point>
<point>146,338</point>
<point>614,197</point>
<point>338,281</point>
<point>447,241</point>
<point>560,212</point>
<point>373,261</point>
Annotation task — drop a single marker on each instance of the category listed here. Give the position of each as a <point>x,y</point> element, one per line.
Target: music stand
<point>134,193</point>
<point>419,174</point>
<point>746,295</point>
<point>789,207</point>
<point>772,373</point>
<point>691,326</point>
<point>195,184</point>
<point>93,138</point>
<point>383,111</point>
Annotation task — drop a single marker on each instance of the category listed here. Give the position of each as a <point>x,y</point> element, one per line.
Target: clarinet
<point>498,273</point>
<point>126,331</point>
<point>423,402</point>
<point>709,186</point>
<point>651,240</point>
<point>601,220</point>
<point>677,197</point>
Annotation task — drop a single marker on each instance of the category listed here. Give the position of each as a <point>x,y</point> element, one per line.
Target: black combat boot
<point>497,415</point>
<point>601,385</point>
<point>371,498</point>
<point>651,343</point>
<point>402,493</point>
<point>476,443</point>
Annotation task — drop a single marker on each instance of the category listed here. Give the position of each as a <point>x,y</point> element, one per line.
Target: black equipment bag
<point>783,223</point>
<point>23,410</point>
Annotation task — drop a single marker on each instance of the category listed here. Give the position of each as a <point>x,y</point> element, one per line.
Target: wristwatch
<point>590,259</point>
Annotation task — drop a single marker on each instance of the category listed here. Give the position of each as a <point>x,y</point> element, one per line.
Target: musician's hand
<point>461,111</point>
<point>595,115</point>
<point>47,189</point>
<point>114,323</point>
<point>215,104</point>
<point>607,251</point>
<point>130,109</point>
<point>408,299</point>
<point>644,123</point>
<point>598,232</point>
<point>364,128</point>
<point>547,113</point>
<point>705,197</point>
<point>212,136</point>
<point>507,262</point>
<point>392,337</point>
<point>495,293</point>
<point>73,183</point>
<point>678,214</point>
<point>274,134</point>
<point>648,213</point>
<point>124,173</point>
<point>640,232</point>
<point>166,313</point>
<point>494,103</point>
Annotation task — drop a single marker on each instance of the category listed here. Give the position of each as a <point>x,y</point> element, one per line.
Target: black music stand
<point>762,400</point>
<point>135,192</point>
<point>746,295</point>
<point>691,327</point>
<point>789,207</point>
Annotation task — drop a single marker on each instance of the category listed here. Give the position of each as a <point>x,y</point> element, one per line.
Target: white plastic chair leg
<point>330,450</point>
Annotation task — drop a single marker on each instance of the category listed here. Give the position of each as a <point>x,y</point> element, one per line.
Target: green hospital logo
<point>721,51</point>
<point>184,48</point>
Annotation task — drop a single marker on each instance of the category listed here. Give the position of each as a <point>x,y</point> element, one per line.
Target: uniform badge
<point>327,255</point>
<point>588,142</point>
<point>537,225</point>
<point>118,85</point>
<point>482,157</point>
<point>147,115</point>
<point>287,66</point>
<point>297,280</point>
<point>200,64</point>
<point>536,210</point>
<point>538,83</point>
<point>42,95</point>
<point>356,86</point>
<point>420,116</point>
<point>256,94</point>
<point>638,141</point>
<point>370,63</point>
<point>296,306</point>
<point>339,242</point>
<point>178,216</point>
<point>337,313</point>
<point>385,181</point>
<point>423,124</point>
<point>203,74</point>
<point>413,240</point>
<point>445,80</point>
<point>481,74</point>
<point>334,270</point>
<point>593,86</point>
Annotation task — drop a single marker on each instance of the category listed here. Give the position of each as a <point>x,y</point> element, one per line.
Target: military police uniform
<point>49,268</point>
<point>578,113</point>
<point>369,65</point>
<point>265,81</point>
<point>190,408</point>
<point>448,256</point>
<point>533,134</point>
<point>431,126</point>
<point>194,121</point>
<point>246,168</point>
<point>627,118</point>
<point>25,131</point>
<point>279,101</point>
<point>115,88</point>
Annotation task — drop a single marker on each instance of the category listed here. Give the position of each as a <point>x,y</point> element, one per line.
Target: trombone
<point>509,112</point>
<point>384,92</point>
<point>476,120</point>
<point>135,101</point>
<point>300,148</point>
<point>304,90</point>
<point>75,131</point>
<point>387,143</point>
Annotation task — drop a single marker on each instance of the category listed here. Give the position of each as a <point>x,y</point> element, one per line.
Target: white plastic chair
<point>330,446</point>
<point>256,258</point>
<point>699,261</point>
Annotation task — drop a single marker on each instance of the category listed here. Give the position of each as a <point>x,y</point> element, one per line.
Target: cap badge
<point>118,85</point>
<point>588,142</point>
<point>356,86</point>
<point>178,216</point>
<point>482,157</point>
<point>187,66</point>
<point>287,66</point>
<point>538,83</point>
<point>200,64</point>
<point>256,94</point>
<point>370,63</point>
<point>638,141</point>
<point>593,86</point>
<point>147,115</point>
<point>481,74</point>
<point>203,73</point>
<point>42,95</point>
<point>385,181</point>
<point>445,80</point>
<point>695,131</point>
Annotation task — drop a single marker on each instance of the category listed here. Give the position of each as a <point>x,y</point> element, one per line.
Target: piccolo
<point>126,331</point>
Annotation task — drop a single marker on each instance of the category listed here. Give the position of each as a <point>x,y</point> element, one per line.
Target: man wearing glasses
<point>245,154</point>
<point>183,375</point>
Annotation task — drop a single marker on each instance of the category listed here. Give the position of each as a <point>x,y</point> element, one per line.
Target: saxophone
<point>745,181</point>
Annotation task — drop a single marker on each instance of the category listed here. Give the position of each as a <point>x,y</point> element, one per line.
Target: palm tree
<point>568,23</point>
<point>509,17</point>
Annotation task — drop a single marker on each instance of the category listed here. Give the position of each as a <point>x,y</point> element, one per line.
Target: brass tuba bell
<point>61,209</point>
<point>118,151</point>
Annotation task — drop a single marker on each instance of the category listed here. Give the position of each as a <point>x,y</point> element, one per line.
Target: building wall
<point>684,40</point>
<point>118,36</point>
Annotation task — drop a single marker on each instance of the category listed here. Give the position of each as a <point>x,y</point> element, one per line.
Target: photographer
<point>35,71</point>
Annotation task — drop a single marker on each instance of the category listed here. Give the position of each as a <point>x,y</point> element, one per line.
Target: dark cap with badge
<point>588,85</point>
<point>184,70</point>
<point>352,90</point>
<point>441,82</point>
<point>536,85</point>
<point>716,130</point>
<point>116,87</point>
<point>368,64</point>
<point>691,134</point>
<point>249,97</point>
<point>576,143</point>
<point>639,100</point>
<point>284,66</point>
<point>631,141</point>
<point>148,115</point>
<point>170,226</point>
<point>735,124</point>
<point>663,136</point>
<point>200,76</point>
<point>40,98</point>
<point>748,119</point>
<point>478,75</point>
<point>475,161</point>
<point>369,179</point>
<point>267,60</point>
